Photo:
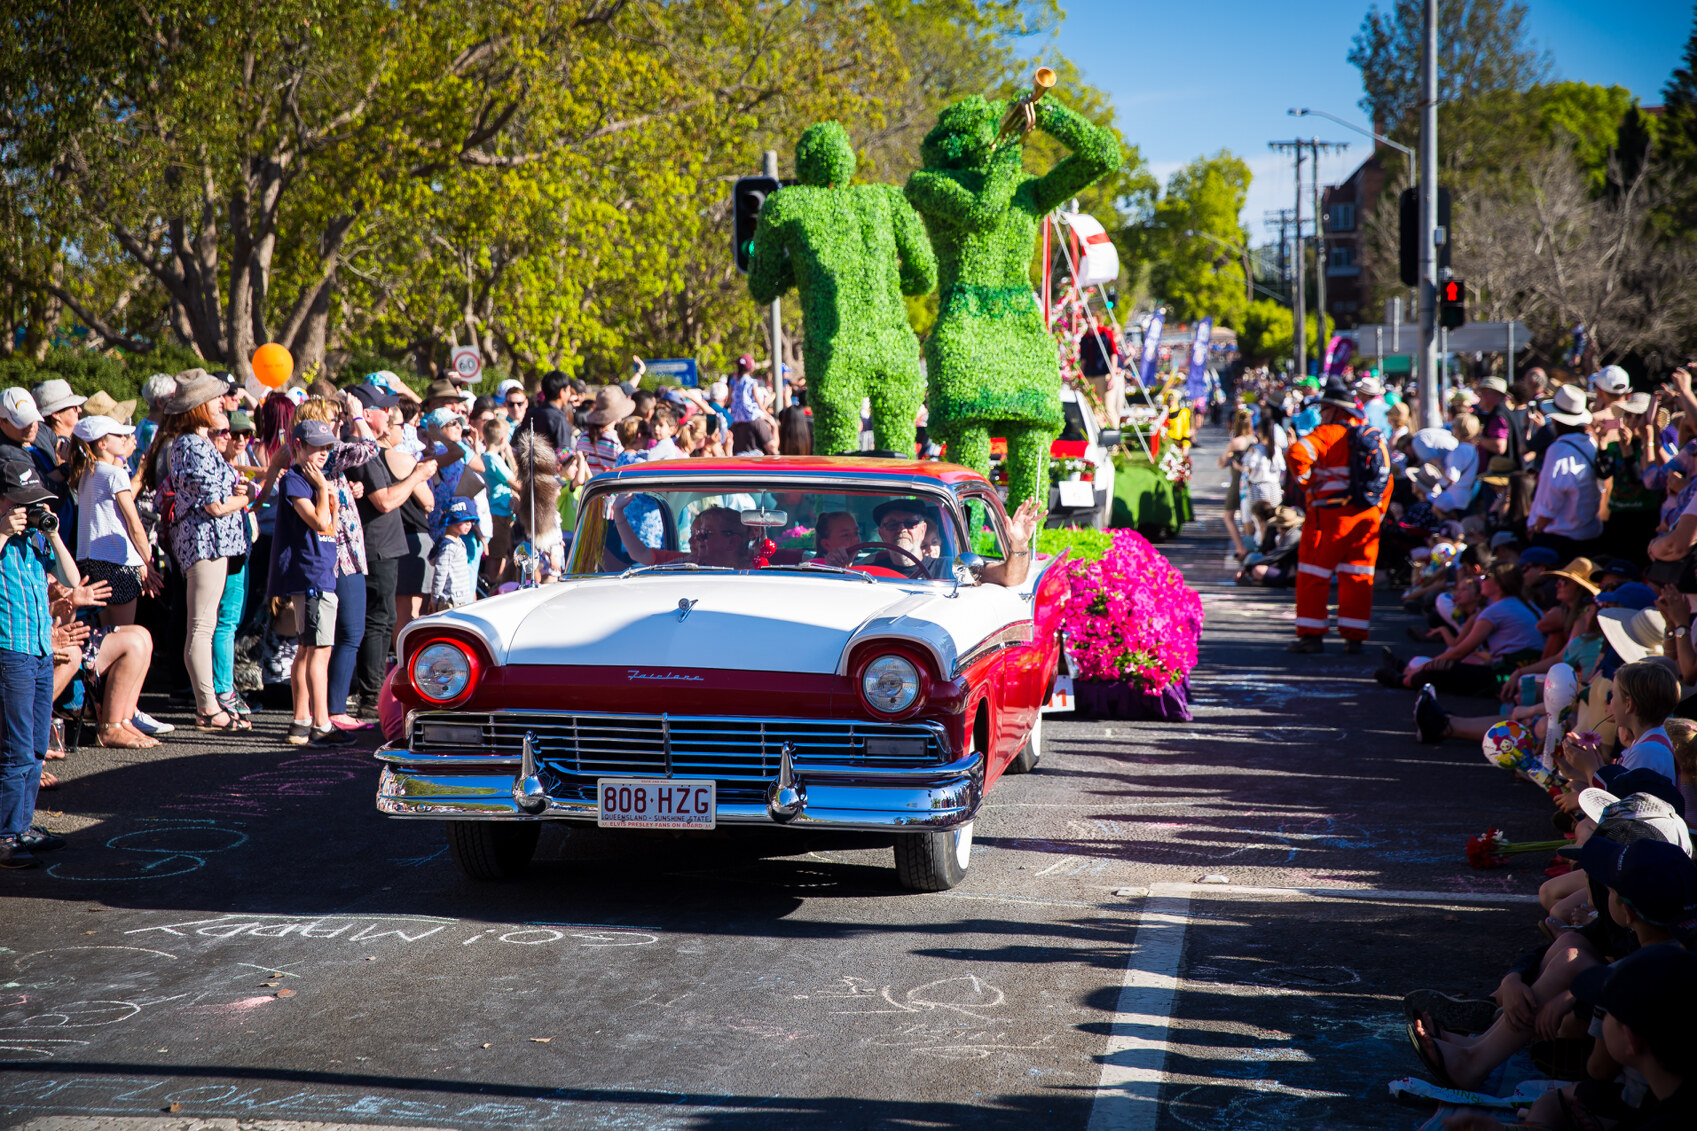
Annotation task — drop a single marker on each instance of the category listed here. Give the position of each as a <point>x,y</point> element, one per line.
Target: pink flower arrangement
<point>1131,618</point>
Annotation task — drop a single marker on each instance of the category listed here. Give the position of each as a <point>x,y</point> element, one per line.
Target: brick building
<point>1349,280</point>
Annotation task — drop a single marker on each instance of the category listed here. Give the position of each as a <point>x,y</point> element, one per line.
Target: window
<point>1342,218</point>
<point>1341,261</point>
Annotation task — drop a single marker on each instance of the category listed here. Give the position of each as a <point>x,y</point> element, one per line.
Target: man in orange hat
<point>1343,470</point>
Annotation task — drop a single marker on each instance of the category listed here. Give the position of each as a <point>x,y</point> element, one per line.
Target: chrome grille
<point>729,749</point>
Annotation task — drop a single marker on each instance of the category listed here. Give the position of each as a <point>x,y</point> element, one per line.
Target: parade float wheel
<point>933,861</point>
<point>1029,754</point>
<point>493,850</point>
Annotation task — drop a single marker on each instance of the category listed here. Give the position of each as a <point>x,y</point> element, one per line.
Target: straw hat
<point>1498,471</point>
<point>1578,571</point>
<point>611,405</point>
<point>102,404</point>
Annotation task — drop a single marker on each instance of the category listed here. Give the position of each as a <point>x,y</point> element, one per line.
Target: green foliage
<point>1586,117</point>
<point>990,362</point>
<point>1266,332</point>
<point>852,252</point>
<point>1676,138</point>
<point>1195,275</point>
<point>1086,545</point>
<point>121,376</point>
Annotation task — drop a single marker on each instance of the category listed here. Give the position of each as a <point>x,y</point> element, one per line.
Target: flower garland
<point>1175,464</point>
<point>1130,617</point>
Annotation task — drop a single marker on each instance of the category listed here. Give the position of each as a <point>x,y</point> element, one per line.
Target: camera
<point>40,518</point>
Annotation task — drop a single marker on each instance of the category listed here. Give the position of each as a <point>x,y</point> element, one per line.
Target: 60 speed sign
<point>467,363</point>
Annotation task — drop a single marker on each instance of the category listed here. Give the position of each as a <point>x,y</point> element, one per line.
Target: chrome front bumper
<point>545,784</point>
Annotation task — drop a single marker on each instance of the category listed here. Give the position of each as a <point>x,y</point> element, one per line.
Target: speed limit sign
<point>467,363</point>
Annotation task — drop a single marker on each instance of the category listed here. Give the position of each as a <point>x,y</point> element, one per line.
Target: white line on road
<point>1134,1063</point>
<point>1365,894</point>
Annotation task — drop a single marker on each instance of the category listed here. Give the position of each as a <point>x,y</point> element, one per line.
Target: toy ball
<point>1511,745</point>
<point>273,365</point>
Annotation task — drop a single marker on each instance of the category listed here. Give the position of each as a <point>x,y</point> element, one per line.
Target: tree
<point>1483,50</point>
<point>1195,275</point>
<point>1676,141</point>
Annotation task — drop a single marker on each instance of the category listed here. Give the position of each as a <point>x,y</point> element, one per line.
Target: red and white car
<point>664,684</point>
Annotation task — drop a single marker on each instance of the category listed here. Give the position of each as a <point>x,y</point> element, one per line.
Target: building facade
<point>1349,274</point>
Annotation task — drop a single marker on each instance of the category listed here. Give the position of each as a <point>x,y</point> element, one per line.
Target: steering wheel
<point>856,549</point>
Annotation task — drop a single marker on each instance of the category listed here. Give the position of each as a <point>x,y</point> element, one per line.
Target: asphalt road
<point>234,931</point>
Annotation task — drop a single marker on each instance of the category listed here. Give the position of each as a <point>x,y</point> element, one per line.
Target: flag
<point>1151,349</point>
<point>1197,387</point>
<point>1338,353</point>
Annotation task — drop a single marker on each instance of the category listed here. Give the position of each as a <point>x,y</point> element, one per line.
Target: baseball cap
<point>745,364</point>
<point>1653,992</point>
<point>1632,595</point>
<point>1503,538</point>
<point>1619,782</point>
<point>92,428</point>
<point>18,407</point>
<point>1611,379</point>
<point>20,483</point>
<point>314,434</point>
<point>1638,817</point>
<point>461,509</point>
<point>437,417</point>
<point>508,386</point>
<point>1539,555</point>
<point>1620,567</point>
<point>1656,878</point>
<point>241,421</point>
<point>372,396</point>
<point>1494,384</point>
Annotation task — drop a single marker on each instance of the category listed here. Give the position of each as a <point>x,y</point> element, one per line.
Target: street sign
<point>466,363</point>
<point>674,371</point>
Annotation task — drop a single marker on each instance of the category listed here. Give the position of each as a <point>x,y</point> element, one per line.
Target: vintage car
<point>740,643</point>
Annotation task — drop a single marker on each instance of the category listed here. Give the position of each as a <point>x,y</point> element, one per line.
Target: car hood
<point>772,622</point>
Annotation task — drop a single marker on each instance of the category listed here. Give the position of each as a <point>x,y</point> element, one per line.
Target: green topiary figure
<point>851,252</point>
<point>990,361</point>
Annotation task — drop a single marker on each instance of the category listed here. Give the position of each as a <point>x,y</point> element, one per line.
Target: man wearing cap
<point>20,420</point>
<point>26,651</point>
<point>1338,537</point>
<point>1568,499</point>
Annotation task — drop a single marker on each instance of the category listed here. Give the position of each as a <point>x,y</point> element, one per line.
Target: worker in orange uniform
<point>1343,468</point>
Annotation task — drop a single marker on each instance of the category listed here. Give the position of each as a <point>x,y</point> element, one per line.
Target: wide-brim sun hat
<point>1568,406</point>
<point>611,405</point>
<point>1578,571</point>
<point>195,387</point>
<point>56,396</point>
<point>1633,634</point>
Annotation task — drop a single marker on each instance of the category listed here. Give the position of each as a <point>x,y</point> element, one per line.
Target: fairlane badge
<point>632,674</point>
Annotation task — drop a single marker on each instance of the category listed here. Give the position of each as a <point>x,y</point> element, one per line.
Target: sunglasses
<point>220,432</point>
<point>907,523</point>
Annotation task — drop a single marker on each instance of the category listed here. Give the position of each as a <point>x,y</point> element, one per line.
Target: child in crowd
<point>303,569</point>
<point>1645,693</point>
<point>112,544</point>
<point>632,432</point>
<point>451,585</point>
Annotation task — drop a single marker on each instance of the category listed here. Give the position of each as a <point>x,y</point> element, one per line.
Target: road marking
<point>1133,1065</point>
<point>1359,894</point>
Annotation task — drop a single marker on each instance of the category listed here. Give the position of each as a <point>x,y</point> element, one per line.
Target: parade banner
<point>1197,387</point>
<point>1338,352</point>
<point>1151,350</point>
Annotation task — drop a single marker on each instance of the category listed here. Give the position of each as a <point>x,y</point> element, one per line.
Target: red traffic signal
<point>1452,304</point>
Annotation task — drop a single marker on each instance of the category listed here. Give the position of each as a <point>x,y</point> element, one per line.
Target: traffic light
<point>1452,304</point>
<point>747,196</point>
<point>1409,233</point>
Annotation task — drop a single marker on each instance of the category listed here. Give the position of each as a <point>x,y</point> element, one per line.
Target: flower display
<point>1130,617</point>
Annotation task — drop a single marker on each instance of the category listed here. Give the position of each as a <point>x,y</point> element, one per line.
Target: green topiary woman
<point>851,251</point>
<point>991,363</point>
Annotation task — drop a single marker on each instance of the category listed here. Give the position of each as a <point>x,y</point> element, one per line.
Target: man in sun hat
<point>1371,390</point>
<point>1498,435</point>
<point>102,404</point>
<point>1568,500</point>
<point>1340,536</point>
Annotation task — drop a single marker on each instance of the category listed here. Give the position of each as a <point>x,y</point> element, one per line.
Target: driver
<point>910,525</point>
<point>717,538</point>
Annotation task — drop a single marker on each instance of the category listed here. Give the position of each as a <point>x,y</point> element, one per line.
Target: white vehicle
<point>1089,499</point>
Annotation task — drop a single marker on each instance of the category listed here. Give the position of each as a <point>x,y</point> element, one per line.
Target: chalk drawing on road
<point>166,848</point>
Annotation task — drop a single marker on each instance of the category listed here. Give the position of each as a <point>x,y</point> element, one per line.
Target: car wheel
<point>493,850</point>
<point>933,861</point>
<point>1031,753</point>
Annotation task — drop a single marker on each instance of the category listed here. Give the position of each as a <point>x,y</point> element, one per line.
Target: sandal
<point>1426,1048</point>
<point>233,705</point>
<point>232,723</point>
<point>113,736</point>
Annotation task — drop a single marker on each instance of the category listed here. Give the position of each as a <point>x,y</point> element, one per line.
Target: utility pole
<point>1315,146</point>
<point>779,401</point>
<point>1282,218</point>
<point>1431,411</point>
<point>1297,299</point>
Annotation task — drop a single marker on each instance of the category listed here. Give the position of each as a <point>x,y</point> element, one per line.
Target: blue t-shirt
<point>1514,627</point>
<point>301,559</point>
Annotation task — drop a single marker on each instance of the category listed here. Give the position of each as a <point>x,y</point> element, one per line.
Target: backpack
<point>1369,466</point>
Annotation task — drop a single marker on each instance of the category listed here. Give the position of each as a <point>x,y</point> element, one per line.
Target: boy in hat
<point>451,582</point>
<point>1339,537</point>
<point>303,568</point>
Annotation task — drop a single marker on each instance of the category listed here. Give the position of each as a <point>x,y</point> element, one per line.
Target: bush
<point>1086,545</point>
<point>121,377</point>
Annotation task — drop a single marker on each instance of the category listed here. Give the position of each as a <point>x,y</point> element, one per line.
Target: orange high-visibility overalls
<point>1337,537</point>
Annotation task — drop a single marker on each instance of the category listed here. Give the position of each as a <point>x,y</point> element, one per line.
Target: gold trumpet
<point>1022,116</point>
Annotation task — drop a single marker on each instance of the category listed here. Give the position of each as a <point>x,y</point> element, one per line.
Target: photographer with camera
<point>29,546</point>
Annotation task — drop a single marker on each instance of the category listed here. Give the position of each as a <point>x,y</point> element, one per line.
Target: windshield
<point>878,535</point>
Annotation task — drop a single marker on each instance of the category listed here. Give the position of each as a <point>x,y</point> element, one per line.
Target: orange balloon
<point>273,365</point>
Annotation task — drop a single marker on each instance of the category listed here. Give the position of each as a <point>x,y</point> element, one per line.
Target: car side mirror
<point>1110,438</point>
<point>969,568</point>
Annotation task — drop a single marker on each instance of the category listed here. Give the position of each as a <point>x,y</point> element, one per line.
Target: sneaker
<point>149,725</point>
<point>299,733</point>
<point>1306,645</point>
<point>233,704</point>
<point>39,839</point>
<point>15,855</point>
<point>1352,647</point>
<point>330,738</point>
<point>1430,720</point>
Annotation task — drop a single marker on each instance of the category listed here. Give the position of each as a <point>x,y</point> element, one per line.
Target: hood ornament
<point>685,604</point>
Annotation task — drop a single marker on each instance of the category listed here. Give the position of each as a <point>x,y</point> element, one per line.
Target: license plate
<point>654,803</point>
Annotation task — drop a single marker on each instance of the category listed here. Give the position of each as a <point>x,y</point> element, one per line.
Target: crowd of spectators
<point>243,547</point>
<point>1545,536</point>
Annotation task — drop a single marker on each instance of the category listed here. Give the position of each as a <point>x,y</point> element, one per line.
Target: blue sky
<point>1195,77</point>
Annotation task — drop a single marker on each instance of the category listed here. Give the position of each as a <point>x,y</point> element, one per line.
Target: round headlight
<point>890,684</point>
<point>441,671</point>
